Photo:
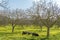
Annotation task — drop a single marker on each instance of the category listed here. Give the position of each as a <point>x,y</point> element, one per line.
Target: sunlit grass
<point>6,33</point>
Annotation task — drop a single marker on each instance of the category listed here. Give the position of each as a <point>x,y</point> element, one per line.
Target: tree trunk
<point>13,26</point>
<point>41,28</point>
<point>48,32</point>
<point>22,26</point>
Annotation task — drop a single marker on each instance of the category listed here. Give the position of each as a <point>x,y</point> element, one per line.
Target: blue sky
<point>24,4</point>
<point>13,4</point>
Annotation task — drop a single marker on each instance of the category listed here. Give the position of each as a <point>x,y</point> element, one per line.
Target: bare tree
<point>4,4</point>
<point>16,18</point>
<point>45,13</point>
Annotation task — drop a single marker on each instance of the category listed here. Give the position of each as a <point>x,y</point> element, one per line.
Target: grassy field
<point>6,34</point>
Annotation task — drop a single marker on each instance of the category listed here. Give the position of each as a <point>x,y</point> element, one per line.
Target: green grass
<point>6,34</point>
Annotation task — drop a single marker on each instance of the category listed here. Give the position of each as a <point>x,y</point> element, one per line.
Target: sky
<point>23,4</point>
